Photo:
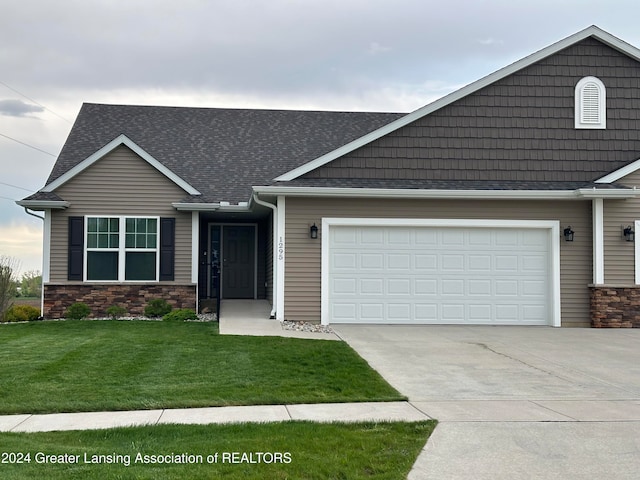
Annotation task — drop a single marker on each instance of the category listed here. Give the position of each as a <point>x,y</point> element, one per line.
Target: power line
<point>26,144</point>
<point>16,186</point>
<point>32,100</point>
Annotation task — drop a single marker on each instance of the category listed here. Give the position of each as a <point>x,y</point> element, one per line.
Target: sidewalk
<point>324,412</point>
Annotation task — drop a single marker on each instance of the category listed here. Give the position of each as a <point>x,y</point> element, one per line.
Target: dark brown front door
<point>238,261</point>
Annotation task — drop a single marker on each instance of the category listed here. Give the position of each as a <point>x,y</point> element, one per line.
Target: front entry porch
<point>251,317</point>
<point>247,317</point>
<point>234,259</point>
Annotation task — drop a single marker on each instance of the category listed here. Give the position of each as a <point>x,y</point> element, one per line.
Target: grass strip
<point>286,450</point>
<point>72,366</point>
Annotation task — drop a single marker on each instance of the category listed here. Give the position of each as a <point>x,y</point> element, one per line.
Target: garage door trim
<point>553,226</point>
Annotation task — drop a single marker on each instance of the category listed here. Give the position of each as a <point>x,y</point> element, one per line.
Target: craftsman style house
<point>510,201</point>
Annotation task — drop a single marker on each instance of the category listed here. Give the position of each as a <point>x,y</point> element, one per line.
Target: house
<point>510,201</point>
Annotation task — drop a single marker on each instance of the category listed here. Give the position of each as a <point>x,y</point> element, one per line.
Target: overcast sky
<point>394,55</point>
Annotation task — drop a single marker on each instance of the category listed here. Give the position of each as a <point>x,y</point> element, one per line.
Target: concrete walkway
<point>326,412</point>
<point>251,317</point>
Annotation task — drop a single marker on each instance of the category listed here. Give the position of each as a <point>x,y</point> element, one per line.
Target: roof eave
<point>44,204</point>
<point>619,193</point>
<point>445,193</point>
<point>195,207</point>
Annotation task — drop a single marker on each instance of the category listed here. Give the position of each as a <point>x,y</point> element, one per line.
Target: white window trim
<point>602,105</point>
<point>122,249</point>
<point>553,226</point>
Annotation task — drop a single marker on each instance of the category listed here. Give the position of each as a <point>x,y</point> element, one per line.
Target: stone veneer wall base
<point>133,297</point>
<point>615,307</point>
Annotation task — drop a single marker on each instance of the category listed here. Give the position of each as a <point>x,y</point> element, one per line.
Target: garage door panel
<point>479,287</point>
<point>399,261</point>
<point>399,286</point>
<point>453,263</point>
<point>371,286</point>
<point>344,261</point>
<point>345,286</point>
<point>372,312</point>
<point>369,261</point>
<point>343,312</point>
<point>425,262</point>
<point>453,312</point>
<point>479,263</point>
<point>480,313</point>
<point>533,263</point>
<point>399,312</point>
<point>426,312</point>
<point>506,263</point>
<point>439,275</point>
<point>426,286</point>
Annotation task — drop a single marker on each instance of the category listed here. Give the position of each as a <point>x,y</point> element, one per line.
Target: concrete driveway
<point>515,402</point>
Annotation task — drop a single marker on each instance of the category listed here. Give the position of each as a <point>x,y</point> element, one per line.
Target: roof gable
<point>220,152</point>
<point>109,147</point>
<point>592,31</point>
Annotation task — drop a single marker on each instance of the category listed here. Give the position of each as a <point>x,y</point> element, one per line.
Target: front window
<point>122,249</point>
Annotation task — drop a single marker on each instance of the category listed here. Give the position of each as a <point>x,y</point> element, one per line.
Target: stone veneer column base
<point>615,307</point>
<point>133,297</point>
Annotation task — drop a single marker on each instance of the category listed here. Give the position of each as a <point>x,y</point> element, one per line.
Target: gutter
<point>274,254</point>
<point>44,204</point>
<point>448,194</point>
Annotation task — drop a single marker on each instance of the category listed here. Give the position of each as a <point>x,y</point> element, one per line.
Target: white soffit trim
<point>113,144</point>
<point>44,204</point>
<point>195,207</point>
<point>591,31</point>
<point>620,173</point>
<point>444,194</point>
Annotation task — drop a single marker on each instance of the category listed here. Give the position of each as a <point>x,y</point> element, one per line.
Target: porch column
<point>195,240</point>
<point>598,241</point>
<point>279,260</point>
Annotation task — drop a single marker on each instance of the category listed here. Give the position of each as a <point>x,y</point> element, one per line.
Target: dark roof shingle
<point>220,152</point>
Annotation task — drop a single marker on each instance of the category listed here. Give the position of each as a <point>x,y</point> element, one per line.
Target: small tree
<point>31,284</point>
<point>8,270</point>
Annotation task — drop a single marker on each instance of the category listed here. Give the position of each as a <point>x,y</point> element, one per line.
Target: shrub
<point>116,311</point>
<point>158,307</point>
<point>77,311</point>
<point>180,315</point>
<point>22,313</point>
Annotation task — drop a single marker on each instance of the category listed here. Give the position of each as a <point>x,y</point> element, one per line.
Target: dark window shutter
<point>167,248</point>
<point>76,248</point>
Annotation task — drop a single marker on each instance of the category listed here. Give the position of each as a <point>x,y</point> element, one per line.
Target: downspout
<point>26,210</point>
<point>274,253</point>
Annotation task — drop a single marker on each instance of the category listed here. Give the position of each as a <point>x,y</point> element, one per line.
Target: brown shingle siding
<point>522,127</point>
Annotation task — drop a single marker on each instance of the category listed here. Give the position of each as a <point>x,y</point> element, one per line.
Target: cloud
<point>375,49</point>
<point>22,241</point>
<point>18,108</point>
<point>490,41</point>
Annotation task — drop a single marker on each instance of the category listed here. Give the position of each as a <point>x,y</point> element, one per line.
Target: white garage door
<point>439,275</point>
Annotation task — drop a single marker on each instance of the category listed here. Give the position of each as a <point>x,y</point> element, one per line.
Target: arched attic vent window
<point>591,103</point>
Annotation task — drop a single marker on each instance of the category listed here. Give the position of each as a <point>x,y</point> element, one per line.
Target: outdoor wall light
<point>568,234</point>
<point>313,231</point>
<point>629,234</point>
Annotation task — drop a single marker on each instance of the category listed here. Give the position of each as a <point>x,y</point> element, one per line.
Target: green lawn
<point>70,366</point>
<point>291,450</point>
